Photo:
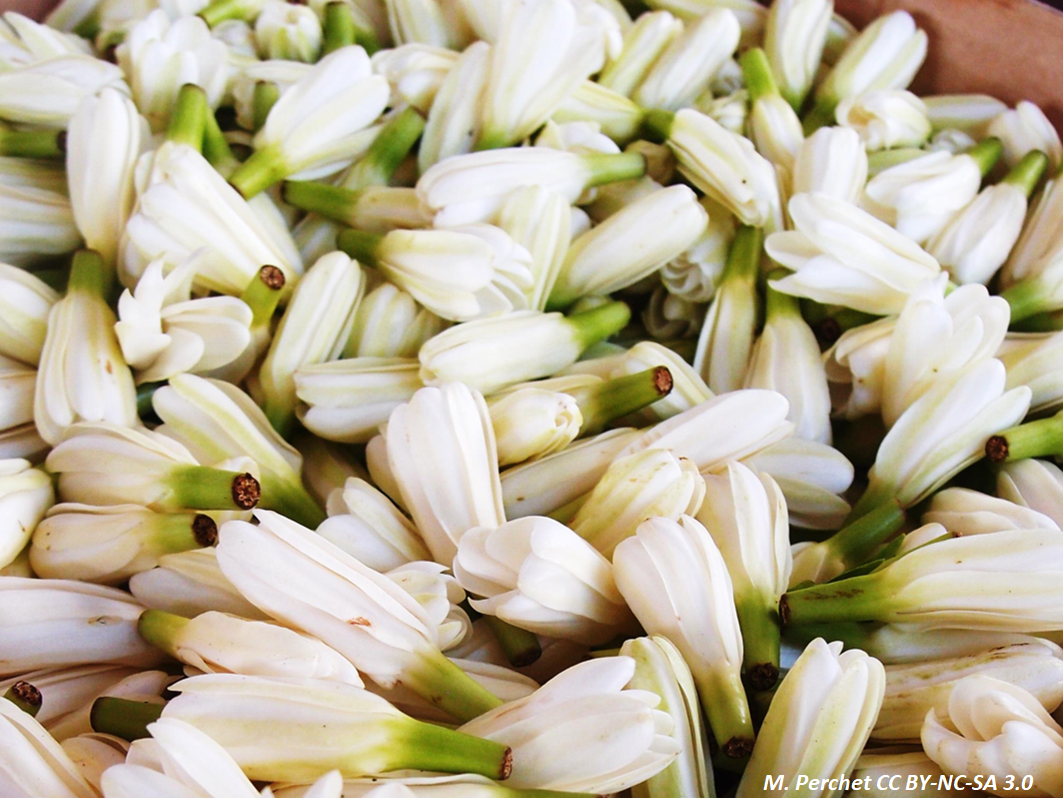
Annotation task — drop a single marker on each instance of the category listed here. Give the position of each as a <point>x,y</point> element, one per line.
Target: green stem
<point>613,167</point>
<point>127,720</point>
<point>291,500</point>
<point>884,159</point>
<point>443,684</point>
<point>160,629</point>
<point>592,326</point>
<point>821,115</point>
<point>221,10</point>
<point>1040,322</point>
<point>32,143</point>
<point>338,27</point>
<point>723,698</point>
<point>657,126</point>
<point>263,294</point>
<point>263,169</point>
<point>743,259</point>
<point>206,488</point>
<point>851,635</point>
<point>1027,173</point>
<point>360,245</point>
<point>609,400</point>
<point>216,147</point>
<point>89,27</point>
<point>145,396</point>
<point>760,643</point>
<point>189,118</point>
<point>89,274</point>
<point>859,598</point>
<point>1028,298</point>
<point>389,149</point>
<point>26,697</point>
<point>756,71</point>
<point>520,646</point>
<point>1033,439</point>
<point>986,153</point>
<point>424,746</point>
<point>263,99</point>
<point>333,202</point>
<point>855,542</point>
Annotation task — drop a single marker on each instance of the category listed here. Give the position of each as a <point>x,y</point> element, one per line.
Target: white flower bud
<point>164,332</point>
<point>367,525</point>
<point>530,423</point>
<point>453,120</point>
<point>282,74</point>
<point>968,512</point>
<point>189,584</point>
<point>914,690</point>
<point>1031,359</point>
<point>731,111</point>
<point>843,255</point>
<point>582,732</point>
<point>970,113</point>
<point>414,72</point>
<point>32,763</point>
<point>37,223</point>
<point>831,161</point>
<point>1023,130</point>
<point>25,496</point>
<point>540,221</point>
<point>17,385</point>
<point>1042,236</point>
<point>794,36</point>
<point>726,167</point>
<point>818,721</point>
<point>105,138</point>
<point>695,273</point>
<point>644,41</point>
<point>776,130</point>
<point>688,64</point>
<point>440,595</point>
<point>615,254</point>
<point>159,56</point>
<point>25,41</point>
<point>47,93</point>
<point>288,32</point>
<point>389,323</point>
<point>1037,484</point>
<point>885,119</point>
<point>93,754</point>
<point>688,389</point>
<point>539,575</point>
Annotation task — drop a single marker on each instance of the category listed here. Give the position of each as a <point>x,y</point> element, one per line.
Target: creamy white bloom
<point>968,512</point>
<point>582,732</point>
<point>48,93</point>
<point>726,167</point>
<point>885,119</point>
<point>532,422</point>
<point>1037,484</point>
<point>616,254</point>
<point>818,721</point>
<point>288,32</point>
<point>688,64</point>
<point>107,545</point>
<point>32,763</point>
<point>540,221</point>
<point>544,50</point>
<point>35,223</point>
<point>644,42</point>
<point>159,56</point>
<point>970,113</point>
<point>51,623</point>
<point>539,575</point>
<point>26,494</point>
<point>794,35</point>
<point>25,302</point>
<point>164,332</point>
<point>93,754</point>
<point>389,323</point>
<point>725,342</point>
<point>17,385</point>
<point>189,584</point>
<point>104,140</point>
<point>912,690</point>
<point>1041,240</point>
<point>885,55</point>
<point>776,131</point>
<point>675,580</point>
<point>414,72</point>
<point>439,593</point>
<point>1031,359</point>
<point>831,161</point>
<point>282,74</point>
<point>843,255</point>
<point>187,206</point>
<point>453,120</point>
<point>688,388</point>
<point>1024,129</point>
<point>695,273</point>
<point>24,41</point>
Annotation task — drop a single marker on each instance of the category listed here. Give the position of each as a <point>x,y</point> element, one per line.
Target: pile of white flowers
<point>520,399</point>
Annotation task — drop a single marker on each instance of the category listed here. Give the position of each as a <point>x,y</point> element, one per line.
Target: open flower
<point>886,119</point>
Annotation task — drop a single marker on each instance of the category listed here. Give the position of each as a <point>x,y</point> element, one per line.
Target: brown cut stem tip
<point>996,449</point>
<point>784,610</point>
<point>506,770</point>
<point>246,491</point>
<point>27,694</point>
<point>763,676</point>
<point>204,530</point>
<point>60,141</point>
<point>662,380</point>
<point>828,331</point>
<point>738,747</point>
<point>272,276</point>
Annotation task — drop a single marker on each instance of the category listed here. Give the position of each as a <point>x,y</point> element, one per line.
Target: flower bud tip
<point>246,491</point>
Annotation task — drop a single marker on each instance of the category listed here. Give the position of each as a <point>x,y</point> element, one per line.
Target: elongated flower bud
<point>675,581</point>
<point>32,763</point>
<point>332,726</point>
<point>362,614</point>
<point>26,494</point>
<point>794,35</point>
<point>540,221</point>
<point>1030,360</point>
<point>538,575</point>
<point>773,124</point>
<point>970,113</point>
<point>831,161</point>
<point>25,302</point>
<point>190,584</point>
<point>886,119</point>
<point>1026,129</point>
<point>107,545</point>
<point>47,93</point>
<point>644,42</point>
<point>818,722</point>
<point>37,223</point>
<point>531,422</point>
<point>288,32</point>
<point>968,512</point>
<point>390,323</point>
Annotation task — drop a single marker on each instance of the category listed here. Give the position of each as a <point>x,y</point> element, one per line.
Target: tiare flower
<point>831,161</point>
<point>25,302</point>
<point>794,36</point>
<point>362,614</point>
<point>26,494</point>
<point>47,93</point>
<point>32,763</point>
<point>288,32</point>
<point>817,723</point>
<point>968,512</point>
<point>675,580</point>
<point>582,731</point>
<point>532,422</point>
<point>1037,484</point>
<point>37,223</point>
<point>389,323</point>
<point>539,575</point>
<point>774,126</point>
<point>886,119</point>
<point>539,220</point>
<point>328,726</point>
<point>189,584</point>
<point>644,41</point>
<point>1026,129</point>
<point>842,255</point>
<point>1030,359</point>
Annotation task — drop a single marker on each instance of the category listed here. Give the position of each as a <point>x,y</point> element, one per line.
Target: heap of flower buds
<point>521,399</point>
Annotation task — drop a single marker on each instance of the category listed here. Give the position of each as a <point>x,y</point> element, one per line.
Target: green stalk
<point>145,396</point>
<point>160,629</point>
<point>189,117</point>
<point>607,401</point>
<point>1040,322</point>
<point>49,144</point>
<point>291,500</point>
<point>387,152</point>
<point>821,115</point>
<point>986,153</point>
<point>743,259</point>
<point>443,684</point>
<point>859,598</point>
<point>520,646</point>
<point>597,324</point>
<point>263,169</point>
<point>1027,173</point>
<point>333,202</point>
<point>613,167</point>
<point>263,294</point>
<point>89,274</point>
<point>338,27</point>
<point>216,147</point>
<point>263,99</point>
<point>127,720</point>
<point>424,746</point>
<point>206,488</point>
<point>1028,298</point>
<point>360,245</point>
<point>1033,439</point>
<point>26,697</point>
<point>855,542</point>
<point>657,126</point>
<point>221,10</point>
<point>756,71</point>
<point>723,698</point>
<point>178,532</point>
<point>761,643</point>
<point>883,159</point>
